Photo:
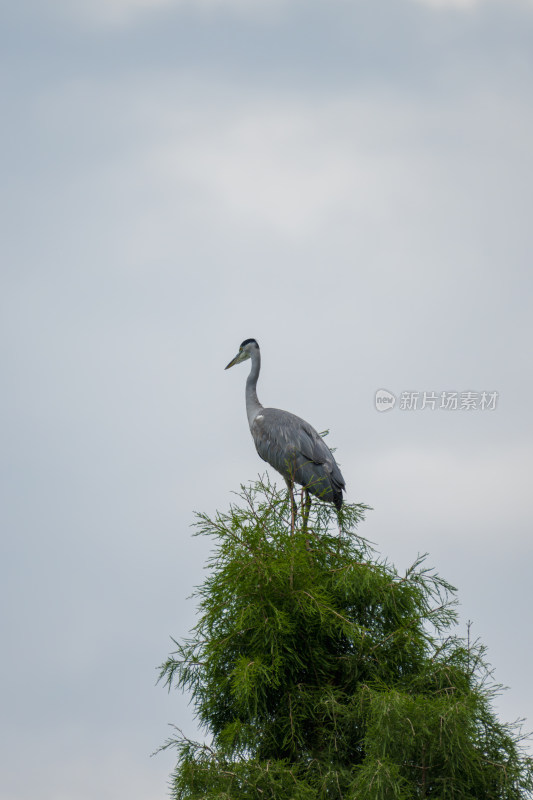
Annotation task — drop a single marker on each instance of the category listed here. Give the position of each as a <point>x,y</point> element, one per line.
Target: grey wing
<point>294,449</point>
<point>326,468</point>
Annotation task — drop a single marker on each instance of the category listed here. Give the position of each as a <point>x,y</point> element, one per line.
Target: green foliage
<point>319,672</point>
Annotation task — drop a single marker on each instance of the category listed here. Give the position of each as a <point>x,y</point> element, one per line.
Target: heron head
<point>245,352</point>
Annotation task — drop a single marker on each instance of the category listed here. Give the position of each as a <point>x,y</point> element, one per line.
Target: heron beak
<point>233,361</point>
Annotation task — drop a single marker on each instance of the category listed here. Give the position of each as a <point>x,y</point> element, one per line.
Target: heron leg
<point>306,507</point>
<point>294,507</point>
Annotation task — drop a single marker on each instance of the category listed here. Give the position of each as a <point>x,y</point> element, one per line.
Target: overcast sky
<point>348,182</point>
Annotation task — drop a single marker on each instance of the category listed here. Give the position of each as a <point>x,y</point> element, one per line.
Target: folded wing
<point>293,447</point>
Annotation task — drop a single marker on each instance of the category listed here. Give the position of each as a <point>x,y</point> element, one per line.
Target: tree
<point>320,672</point>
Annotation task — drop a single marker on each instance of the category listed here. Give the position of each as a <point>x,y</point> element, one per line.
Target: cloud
<point>208,155</point>
<point>466,5</point>
<point>355,165</point>
<point>274,168</point>
<point>459,4</point>
<point>123,13</point>
<point>117,13</point>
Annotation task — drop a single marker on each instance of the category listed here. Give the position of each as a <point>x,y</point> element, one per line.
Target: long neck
<point>253,406</point>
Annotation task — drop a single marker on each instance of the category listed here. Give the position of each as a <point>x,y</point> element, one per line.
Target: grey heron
<point>288,443</point>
